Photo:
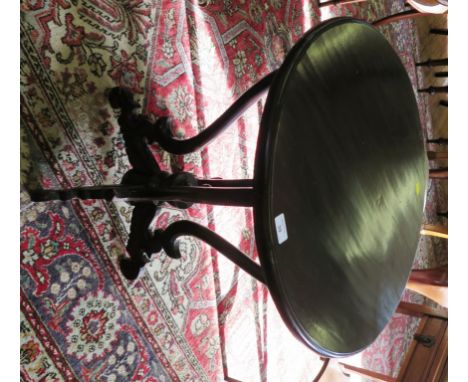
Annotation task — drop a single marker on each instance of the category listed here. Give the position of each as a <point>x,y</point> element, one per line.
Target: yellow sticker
<point>418,188</point>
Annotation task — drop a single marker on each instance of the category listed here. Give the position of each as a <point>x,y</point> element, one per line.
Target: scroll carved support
<point>146,186</point>
<point>168,240</point>
<point>160,131</point>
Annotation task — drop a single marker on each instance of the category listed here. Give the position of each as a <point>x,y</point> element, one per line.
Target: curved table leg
<point>167,239</point>
<point>160,131</point>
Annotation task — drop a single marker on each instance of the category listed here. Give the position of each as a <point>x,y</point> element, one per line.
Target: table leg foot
<point>141,242</point>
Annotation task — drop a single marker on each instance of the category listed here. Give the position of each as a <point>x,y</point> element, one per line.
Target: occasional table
<point>338,190</point>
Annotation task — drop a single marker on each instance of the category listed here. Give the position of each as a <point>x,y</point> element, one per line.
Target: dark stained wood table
<point>338,191</point>
<point>342,171</point>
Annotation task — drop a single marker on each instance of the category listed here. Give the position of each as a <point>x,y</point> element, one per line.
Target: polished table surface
<point>341,172</point>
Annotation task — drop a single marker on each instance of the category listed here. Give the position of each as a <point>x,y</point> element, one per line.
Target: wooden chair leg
<point>443,214</point>
<point>436,293</point>
<point>434,230</point>
<point>434,90</point>
<point>399,17</point>
<point>438,173</point>
<point>434,62</point>
<point>418,310</point>
<point>443,102</point>
<point>441,74</point>
<point>438,141</point>
<point>437,155</point>
<point>432,276</point>
<point>431,283</point>
<point>443,32</point>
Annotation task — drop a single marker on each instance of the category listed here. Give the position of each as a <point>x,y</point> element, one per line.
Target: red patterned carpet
<point>198,318</point>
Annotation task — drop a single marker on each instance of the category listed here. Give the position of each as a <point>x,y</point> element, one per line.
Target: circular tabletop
<point>341,174</point>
